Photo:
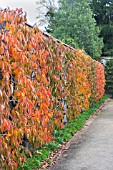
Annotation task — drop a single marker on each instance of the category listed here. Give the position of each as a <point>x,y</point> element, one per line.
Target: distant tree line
<point>103,14</point>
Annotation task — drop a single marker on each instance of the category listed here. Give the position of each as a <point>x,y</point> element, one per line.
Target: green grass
<point>60,136</point>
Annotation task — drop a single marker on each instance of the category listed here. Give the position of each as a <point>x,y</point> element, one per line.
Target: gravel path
<point>93,150</point>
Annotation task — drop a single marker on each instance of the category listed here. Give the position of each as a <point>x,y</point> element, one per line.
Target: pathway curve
<point>94,149</point>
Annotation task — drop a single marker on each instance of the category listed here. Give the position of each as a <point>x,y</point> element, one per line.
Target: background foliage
<point>103,14</point>
<point>42,83</point>
<point>73,24</point>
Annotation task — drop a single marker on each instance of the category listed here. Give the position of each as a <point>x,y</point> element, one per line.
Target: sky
<point>27,5</point>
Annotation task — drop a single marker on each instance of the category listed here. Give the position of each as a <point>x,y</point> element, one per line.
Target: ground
<point>92,147</point>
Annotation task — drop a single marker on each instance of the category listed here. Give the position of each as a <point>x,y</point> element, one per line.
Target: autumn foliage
<point>41,80</point>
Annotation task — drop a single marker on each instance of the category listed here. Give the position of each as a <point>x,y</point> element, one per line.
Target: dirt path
<point>93,149</point>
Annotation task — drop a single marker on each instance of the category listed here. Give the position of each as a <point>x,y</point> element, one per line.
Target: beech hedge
<point>43,85</point>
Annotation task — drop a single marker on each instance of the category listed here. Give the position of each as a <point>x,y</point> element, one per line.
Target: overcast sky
<point>27,5</point>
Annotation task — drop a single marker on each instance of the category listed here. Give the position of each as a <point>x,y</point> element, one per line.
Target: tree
<point>103,14</point>
<point>45,10</point>
<point>73,23</point>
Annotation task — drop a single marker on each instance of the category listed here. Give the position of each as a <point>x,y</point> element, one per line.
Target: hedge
<point>43,85</point>
<point>109,78</point>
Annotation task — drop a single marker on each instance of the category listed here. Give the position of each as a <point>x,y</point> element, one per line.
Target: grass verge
<point>60,136</point>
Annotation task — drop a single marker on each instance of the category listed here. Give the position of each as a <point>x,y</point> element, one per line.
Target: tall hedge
<point>109,78</point>
<point>41,80</point>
